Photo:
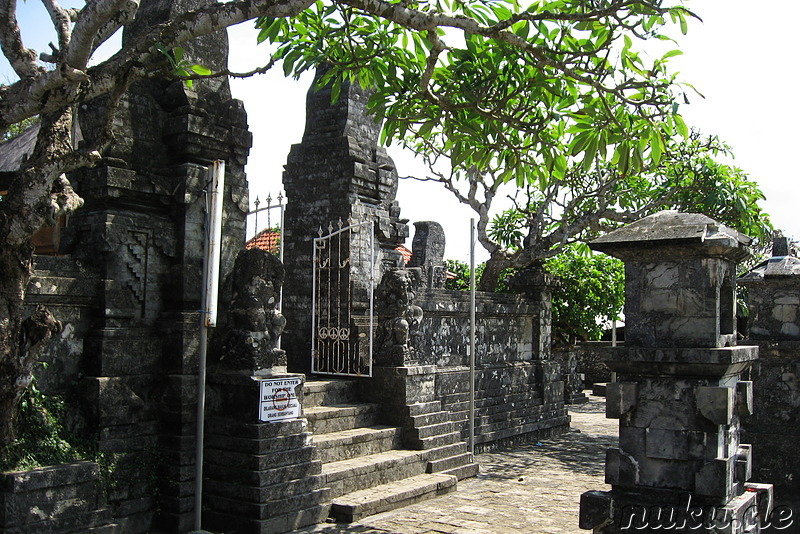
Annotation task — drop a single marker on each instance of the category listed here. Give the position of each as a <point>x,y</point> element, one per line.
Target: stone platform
<point>532,489</point>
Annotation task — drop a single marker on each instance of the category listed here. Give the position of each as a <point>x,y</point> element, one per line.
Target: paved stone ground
<point>533,488</point>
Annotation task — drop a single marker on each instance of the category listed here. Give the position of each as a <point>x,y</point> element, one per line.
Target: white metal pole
<point>208,316</point>
<point>371,289</point>
<point>472,332</point>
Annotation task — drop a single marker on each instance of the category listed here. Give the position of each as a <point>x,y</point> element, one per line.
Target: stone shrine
<point>679,396</point>
<point>773,297</point>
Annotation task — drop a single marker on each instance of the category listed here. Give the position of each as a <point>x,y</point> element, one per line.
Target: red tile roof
<point>269,240</point>
<point>405,251</point>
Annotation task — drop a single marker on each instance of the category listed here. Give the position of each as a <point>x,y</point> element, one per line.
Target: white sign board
<point>278,401</point>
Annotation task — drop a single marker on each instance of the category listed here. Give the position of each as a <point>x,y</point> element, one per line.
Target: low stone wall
<point>519,391</point>
<point>59,498</point>
<point>772,429</point>
<point>588,360</point>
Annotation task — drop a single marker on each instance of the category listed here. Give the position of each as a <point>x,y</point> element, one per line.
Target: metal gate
<point>342,329</point>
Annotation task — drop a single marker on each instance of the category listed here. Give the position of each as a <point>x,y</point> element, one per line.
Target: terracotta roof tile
<point>268,240</point>
<point>405,251</point>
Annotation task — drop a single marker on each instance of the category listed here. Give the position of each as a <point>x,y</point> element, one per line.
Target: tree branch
<point>62,23</point>
<point>22,60</point>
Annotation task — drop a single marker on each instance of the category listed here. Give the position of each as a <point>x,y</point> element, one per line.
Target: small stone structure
<point>429,242</point>
<point>678,396</point>
<point>773,294</point>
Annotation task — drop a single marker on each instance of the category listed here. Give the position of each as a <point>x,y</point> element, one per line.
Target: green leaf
<point>201,70</point>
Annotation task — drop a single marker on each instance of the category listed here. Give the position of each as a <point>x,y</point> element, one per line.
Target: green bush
<point>43,440</point>
<point>592,291</point>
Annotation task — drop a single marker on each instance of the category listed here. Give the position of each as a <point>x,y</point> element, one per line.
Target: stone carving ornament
<point>399,318</point>
<point>255,324</point>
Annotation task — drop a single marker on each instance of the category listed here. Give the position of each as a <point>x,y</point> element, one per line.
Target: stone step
<point>434,442</point>
<point>359,504</point>
<point>451,462</point>
<point>327,392</point>
<point>346,476</point>
<point>363,441</point>
<point>464,471</point>
<point>333,418</point>
<point>454,449</point>
<point>432,418</point>
<point>422,408</point>
<point>438,429</point>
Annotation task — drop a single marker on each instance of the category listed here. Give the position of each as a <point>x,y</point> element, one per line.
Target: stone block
<point>744,463</point>
<point>716,404</point>
<point>744,398</point>
<point>716,478</point>
<point>597,510</point>
<point>667,444</point>
<point>621,397</point>
<point>621,468</point>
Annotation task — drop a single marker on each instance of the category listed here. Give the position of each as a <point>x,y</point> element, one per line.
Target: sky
<point>742,58</point>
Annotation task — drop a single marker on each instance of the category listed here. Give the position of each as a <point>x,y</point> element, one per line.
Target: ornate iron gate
<point>342,327</point>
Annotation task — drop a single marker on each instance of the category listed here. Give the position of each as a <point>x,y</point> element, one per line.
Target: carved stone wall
<point>129,280</point>
<point>519,389</point>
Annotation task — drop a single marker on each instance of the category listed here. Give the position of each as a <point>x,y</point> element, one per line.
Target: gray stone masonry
<point>62,498</point>
<point>773,295</point>
<point>337,173</point>
<point>128,280</point>
<point>260,477</point>
<point>678,396</point>
<point>428,253</point>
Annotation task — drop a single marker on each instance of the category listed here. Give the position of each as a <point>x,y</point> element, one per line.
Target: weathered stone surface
<point>428,253</point>
<point>63,498</point>
<point>678,394</point>
<point>337,173</point>
<point>250,331</point>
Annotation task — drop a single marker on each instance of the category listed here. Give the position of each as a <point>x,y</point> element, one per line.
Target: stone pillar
<point>773,295</point>
<point>140,233</point>
<point>262,476</point>
<point>428,253</point>
<point>537,285</point>
<point>679,395</point>
<point>338,173</point>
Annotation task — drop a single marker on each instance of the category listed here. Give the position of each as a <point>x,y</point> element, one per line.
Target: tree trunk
<point>21,339</point>
<point>36,194</point>
<point>498,262</point>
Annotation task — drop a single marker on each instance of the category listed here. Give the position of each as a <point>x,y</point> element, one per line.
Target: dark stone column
<point>338,173</point>
<point>679,396</point>
<point>141,233</point>
<point>773,295</point>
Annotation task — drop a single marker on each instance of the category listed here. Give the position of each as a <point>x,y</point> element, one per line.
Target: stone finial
<point>250,344</point>
<point>428,247</point>
<point>781,246</point>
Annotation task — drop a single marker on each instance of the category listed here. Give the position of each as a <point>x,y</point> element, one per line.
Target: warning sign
<point>278,400</point>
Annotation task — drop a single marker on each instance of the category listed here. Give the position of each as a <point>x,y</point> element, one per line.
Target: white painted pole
<point>208,316</point>
<point>472,333</point>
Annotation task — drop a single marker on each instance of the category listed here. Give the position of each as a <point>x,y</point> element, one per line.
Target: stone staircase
<point>365,466</point>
